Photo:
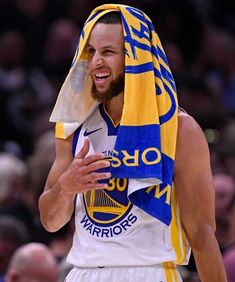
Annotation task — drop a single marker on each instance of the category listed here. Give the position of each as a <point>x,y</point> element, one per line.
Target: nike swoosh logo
<point>86,132</point>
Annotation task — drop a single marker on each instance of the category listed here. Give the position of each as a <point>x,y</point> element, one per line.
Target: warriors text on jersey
<point>110,230</point>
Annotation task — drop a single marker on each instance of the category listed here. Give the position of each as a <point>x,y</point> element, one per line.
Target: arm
<point>66,178</point>
<point>195,193</point>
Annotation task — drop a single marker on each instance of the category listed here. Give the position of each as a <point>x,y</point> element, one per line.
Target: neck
<point>114,107</point>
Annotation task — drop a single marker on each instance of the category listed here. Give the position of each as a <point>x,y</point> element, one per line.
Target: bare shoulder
<point>191,142</point>
<point>187,125</point>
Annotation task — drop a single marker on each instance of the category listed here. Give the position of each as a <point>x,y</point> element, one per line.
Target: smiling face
<point>105,48</point>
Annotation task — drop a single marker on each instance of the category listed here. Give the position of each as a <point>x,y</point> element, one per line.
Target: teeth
<point>101,75</point>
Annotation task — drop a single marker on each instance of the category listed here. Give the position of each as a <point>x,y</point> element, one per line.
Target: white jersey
<point>110,230</point>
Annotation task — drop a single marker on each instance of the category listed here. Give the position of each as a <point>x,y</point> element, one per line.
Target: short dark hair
<point>110,18</point>
<point>13,230</point>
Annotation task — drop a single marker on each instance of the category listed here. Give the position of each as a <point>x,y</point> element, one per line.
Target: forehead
<point>103,34</point>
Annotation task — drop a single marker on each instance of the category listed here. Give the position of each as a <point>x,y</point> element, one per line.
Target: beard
<point>115,88</point>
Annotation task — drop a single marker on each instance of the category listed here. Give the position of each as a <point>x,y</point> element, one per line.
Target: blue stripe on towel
<point>155,206</point>
<point>137,157</point>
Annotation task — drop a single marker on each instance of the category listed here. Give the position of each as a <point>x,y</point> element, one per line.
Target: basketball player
<point>115,240</point>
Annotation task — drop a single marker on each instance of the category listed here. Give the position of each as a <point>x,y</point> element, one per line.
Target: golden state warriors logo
<point>108,211</point>
<point>109,206</point>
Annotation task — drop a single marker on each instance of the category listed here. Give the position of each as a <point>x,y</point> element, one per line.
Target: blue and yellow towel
<point>146,140</point>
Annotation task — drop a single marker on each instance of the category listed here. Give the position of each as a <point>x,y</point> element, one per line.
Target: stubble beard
<point>115,88</point>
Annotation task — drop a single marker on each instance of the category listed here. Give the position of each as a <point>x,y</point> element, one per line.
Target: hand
<point>82,175</point>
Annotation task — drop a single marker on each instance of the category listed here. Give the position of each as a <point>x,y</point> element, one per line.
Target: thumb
<point>84,151</point>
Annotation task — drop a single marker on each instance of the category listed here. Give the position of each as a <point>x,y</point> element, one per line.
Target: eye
<point>90,51</point>
<point>108,52</point>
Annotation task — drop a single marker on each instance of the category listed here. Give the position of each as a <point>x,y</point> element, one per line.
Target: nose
<point>97,59</point>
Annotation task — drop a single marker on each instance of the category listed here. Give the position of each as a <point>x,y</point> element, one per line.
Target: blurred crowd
<point>37,41</point>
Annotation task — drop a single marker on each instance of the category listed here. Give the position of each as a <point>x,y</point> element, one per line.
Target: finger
<point>97,165</point>
<point>95,176</point>
<point>84,151</point>
<point>92,165</point>
<point>93,159</point>
<point>95,186</point>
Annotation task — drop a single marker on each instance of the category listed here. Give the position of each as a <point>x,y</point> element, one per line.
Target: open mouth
<point>102,77</point>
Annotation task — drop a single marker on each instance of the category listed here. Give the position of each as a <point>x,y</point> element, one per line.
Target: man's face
<point>105,48</point>
<point>224,193</point>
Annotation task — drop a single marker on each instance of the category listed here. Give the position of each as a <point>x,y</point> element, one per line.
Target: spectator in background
<point>31,18</point>
<point>176,59</point>
<point>13,179</point>
<point>61,241</point>
<point>229,162</point>
<point>229,263</point>
<point>60,45</point>
<point>33,262</point>
<point>24,92</point>
<point>227,148</point>
<point>229,254</point>
<point>197,99</point>
<point>13,234</point>
<point>216,62</point>
<point>224,196</point>
<point>78,10</point>
<point>16,195</point>
<point>222,14</point>
<point>39,163</point>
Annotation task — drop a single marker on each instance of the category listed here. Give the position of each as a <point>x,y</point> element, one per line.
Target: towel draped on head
<point>146,140</point>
